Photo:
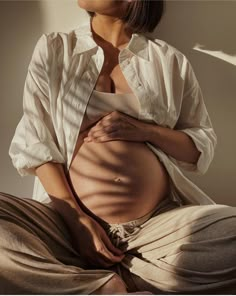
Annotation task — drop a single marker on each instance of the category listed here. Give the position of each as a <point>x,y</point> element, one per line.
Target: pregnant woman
<point>110,117</point>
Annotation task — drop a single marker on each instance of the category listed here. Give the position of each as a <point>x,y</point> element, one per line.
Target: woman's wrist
<point>151,133</point>
<point>67,208</point>
<point>173,142</point>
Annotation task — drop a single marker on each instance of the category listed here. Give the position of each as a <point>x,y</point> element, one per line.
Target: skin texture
<point>110,33</point>
<point>119,126</point>
<point>107,26</point>
<point>116,175</point>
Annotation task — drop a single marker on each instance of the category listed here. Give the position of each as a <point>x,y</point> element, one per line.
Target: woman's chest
<point>126,76</point>
<point>111,79</point>
<point>130,75</point>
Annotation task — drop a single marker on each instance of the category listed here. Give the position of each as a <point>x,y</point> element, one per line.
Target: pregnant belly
<point>118,181</point>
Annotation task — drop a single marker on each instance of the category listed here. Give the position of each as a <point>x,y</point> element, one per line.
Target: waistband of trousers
<point>166,204</point>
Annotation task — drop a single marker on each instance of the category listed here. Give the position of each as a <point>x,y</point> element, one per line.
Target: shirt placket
<point>81,97</point>
<point>126,60</point>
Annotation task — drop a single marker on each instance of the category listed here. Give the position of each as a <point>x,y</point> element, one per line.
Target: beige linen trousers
<point>172,250</point>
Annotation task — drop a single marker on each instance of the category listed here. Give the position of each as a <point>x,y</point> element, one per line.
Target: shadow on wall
<point>211,24</point>
<point>21,26</point>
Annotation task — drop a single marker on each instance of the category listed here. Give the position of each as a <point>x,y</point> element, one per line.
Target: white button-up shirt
<point>61,77</point>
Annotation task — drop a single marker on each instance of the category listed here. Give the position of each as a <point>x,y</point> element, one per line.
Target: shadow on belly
<point>118,179</point>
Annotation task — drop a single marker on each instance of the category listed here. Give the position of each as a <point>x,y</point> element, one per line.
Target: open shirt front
<point>61,77</point>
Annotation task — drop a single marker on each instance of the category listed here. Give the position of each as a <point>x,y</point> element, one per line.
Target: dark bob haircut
<point>142,15</point>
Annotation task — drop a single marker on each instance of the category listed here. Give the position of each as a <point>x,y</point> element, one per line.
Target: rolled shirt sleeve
<point>195,122</point>
<point>34,142</point>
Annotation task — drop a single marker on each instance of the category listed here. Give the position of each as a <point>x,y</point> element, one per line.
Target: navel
<point>117,179</point>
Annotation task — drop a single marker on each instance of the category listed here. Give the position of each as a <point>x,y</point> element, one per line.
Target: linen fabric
<point>61,77</point>
<point>174,249</point>
<point>102,103</point>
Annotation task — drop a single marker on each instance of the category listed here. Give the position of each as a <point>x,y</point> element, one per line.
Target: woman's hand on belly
<point>118,126</point>
<point>93,244</point>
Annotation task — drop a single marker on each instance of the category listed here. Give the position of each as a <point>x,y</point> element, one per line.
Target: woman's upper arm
<point>194,120</point>
<point>34,141</point>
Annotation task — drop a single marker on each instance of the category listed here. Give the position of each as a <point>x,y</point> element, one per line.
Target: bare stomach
<point>118,181</point>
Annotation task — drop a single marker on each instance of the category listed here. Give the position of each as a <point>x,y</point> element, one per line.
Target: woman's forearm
<point>119,126</point>
<point>53,179</point>
<point>175,143</point>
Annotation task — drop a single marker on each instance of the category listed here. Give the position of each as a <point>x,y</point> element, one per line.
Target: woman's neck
<point>109,31</point>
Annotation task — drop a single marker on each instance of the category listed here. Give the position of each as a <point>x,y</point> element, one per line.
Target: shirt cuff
<point>205,144</point>
<point>35,155</point>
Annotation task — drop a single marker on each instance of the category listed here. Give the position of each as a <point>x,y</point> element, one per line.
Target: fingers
<point>113,118</point>
<point>110,250</point>
<point>116,126</point>
<point>98,131</point>
<point>108,253</point>
<point>105,137</point>
<point>111,247</point>
<point>101,129</point>
<point>104,133</point>
<point>103,257</point>
<point>98,250</point>
<point>111,127</point>
<point>110,256</point>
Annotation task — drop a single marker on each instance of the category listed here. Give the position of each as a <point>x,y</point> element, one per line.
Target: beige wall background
<point>203,30</point>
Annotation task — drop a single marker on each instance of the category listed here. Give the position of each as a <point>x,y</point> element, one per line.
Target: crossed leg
<point>190,249</point>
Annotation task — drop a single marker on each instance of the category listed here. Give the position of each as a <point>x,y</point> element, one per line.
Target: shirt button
<point>137,84</point>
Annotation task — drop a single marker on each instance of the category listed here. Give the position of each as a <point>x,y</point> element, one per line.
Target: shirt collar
<point>138,44</point>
